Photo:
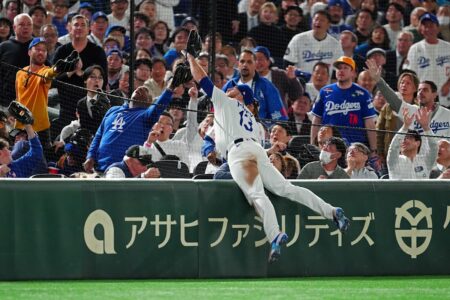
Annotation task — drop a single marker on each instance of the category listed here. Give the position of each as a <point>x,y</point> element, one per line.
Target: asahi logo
<point>99,244</point>
<point>417,217</point>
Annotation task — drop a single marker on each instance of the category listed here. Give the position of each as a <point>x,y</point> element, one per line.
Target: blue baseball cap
<point>334,3</point>
<point>114,28</point>
<point>114,51</point>
<point>36,41</point>
<point>86,5</point>
<point>246,92</point>
<point>429,17</point>
<point>99,14</point>
<point>263,50</point>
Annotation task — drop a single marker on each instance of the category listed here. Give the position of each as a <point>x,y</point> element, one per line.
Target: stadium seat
<point>296,142</point>
<point>200,168</point>
<point>172,169</point>
<point>48,176</point>
<point>203,176</point>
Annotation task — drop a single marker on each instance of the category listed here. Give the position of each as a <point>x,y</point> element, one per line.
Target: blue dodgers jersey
<point>347,107</point>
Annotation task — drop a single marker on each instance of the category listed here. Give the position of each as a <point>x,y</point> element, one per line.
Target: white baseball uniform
<point>431,62</point>
<point>305,51</point>
<point>237,131</point>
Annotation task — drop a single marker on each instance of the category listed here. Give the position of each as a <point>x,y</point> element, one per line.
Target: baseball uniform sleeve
<point>292,50</point>
<point>319,107</point>
<point>115,172</point>
<point>411,60</point>
<point>367,107</point>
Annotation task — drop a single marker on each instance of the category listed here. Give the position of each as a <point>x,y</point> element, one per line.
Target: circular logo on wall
<point>413,227</point>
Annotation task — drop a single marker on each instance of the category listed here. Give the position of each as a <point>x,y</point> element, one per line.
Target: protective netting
<point>286,52</point>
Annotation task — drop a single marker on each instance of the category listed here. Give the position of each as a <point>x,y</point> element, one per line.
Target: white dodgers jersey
<point>232,121</point>
<point>305,51</point>
<point>431,62</point>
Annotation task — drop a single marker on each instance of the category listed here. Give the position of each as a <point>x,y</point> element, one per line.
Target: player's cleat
<point>275,251</point>
<point>341,221</point>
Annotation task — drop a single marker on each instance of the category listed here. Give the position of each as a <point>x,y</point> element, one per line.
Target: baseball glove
<point>182,75</point>
<point>21,113</point>
<point>100,107</point>
<point>68,64</point>
<point>194,44</point>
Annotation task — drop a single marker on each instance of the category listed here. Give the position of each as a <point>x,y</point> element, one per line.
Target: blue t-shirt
<point>347,107</point>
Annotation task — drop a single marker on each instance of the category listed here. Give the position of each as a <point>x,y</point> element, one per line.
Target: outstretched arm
<point>200,76</point>
<point>197,71</point>
<point>388,93</point>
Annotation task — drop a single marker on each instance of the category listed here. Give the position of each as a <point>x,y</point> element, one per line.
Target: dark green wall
<point>44,222</point>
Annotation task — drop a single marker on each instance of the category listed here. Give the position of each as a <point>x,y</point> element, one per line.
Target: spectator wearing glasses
<point>357,158</point>
<point>94,106</point>
<point>90,54</point>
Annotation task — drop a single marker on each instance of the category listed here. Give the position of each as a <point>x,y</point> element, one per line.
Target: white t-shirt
<point>125,22</point>
<point>305,51</point>
<point>171,147</point>
<point>401,167</point>
<point>431,62</point>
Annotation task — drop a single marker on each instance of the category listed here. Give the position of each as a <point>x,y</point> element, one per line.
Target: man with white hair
<point>14,52</point>
<point>135,164</point>
<point>442,168</point>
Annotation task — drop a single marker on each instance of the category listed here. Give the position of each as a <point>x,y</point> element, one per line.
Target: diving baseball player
<point>237,134</point>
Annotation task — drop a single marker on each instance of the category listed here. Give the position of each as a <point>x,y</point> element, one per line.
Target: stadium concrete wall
<point>69,229</point>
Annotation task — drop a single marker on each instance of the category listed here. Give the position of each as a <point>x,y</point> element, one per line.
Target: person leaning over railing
<point>23,166</point>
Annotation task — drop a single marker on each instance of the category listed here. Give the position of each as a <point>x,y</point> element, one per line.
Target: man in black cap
<point>134,164</point>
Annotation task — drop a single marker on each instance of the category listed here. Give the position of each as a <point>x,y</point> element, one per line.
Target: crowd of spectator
<point>344,89</point>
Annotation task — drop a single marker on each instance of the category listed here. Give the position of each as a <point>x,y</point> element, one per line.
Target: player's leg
<point>245,173</point>
<point>275,182</point>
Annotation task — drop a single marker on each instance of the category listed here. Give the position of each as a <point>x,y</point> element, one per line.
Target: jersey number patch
<point>246,120</point>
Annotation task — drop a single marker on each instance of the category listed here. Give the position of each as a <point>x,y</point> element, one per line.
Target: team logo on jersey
<point>118,123</point>
<point>441,60</point>
<point>319,55</point>
<point>288,51</point>
<point>435,126</point>
<point>327,90</point>
<point>341,108</point>
<point>358,93</point>
<point>423,62</point>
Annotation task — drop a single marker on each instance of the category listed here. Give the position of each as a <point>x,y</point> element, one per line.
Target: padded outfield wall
<point>69,229</point>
